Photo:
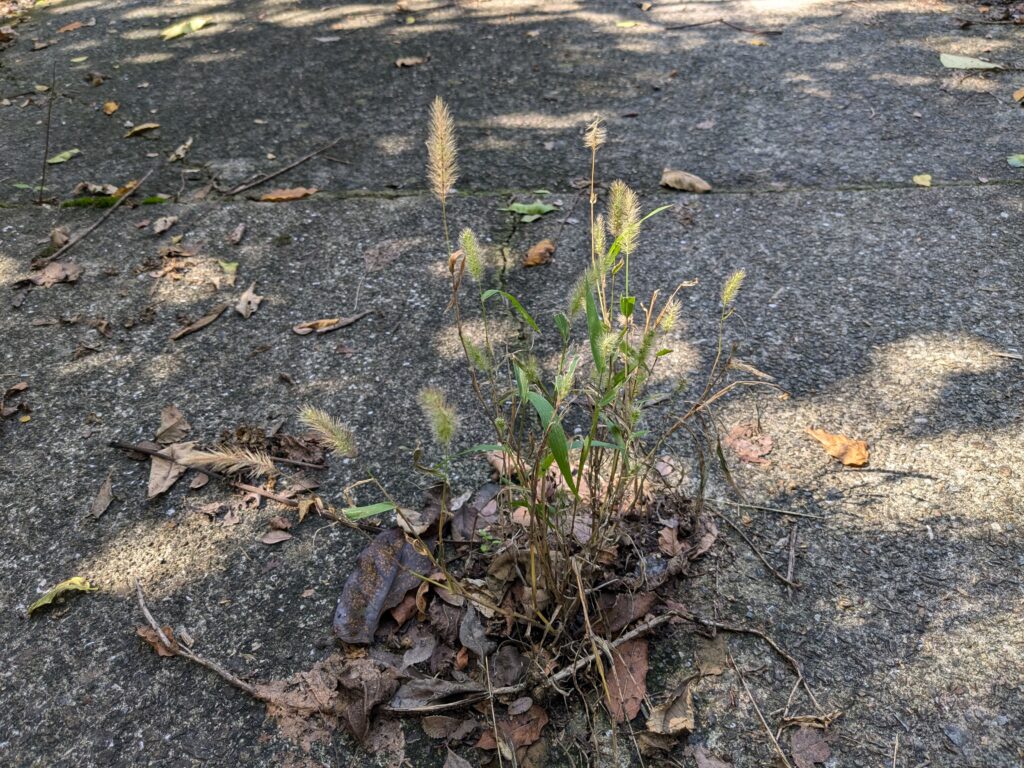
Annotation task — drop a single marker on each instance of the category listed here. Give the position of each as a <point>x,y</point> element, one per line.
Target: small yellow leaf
<point>757,41</point>
<point>923,179</point>
<point>74,584</point>
<point>184,27</point>
<point>110,107</point>
<point>64,156</point>
<point>25,419</point>
<point>142,129</point>
<point>285,195</point>
<point>79,59</point>
<point>626,24</point>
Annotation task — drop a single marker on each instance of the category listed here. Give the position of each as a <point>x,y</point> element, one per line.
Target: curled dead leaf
<point>163,224</point>
<point>143,128</point>
<point>150,636</point>
<point>683,181</point>
<point>201,323</point>
<point>248,302</point>
<point>853,453</point>
<point>627,681</point>
<point>275,537</point>
<point>103,497</point>
<point>540,253</point>
<point>327,325</point>
<point>286,195</point>
<point>409,61</point>
<point>56,272</point>
<point>675,715</point>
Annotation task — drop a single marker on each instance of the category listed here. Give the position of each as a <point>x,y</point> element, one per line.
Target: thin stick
<point>756,551</point>
<point>109,212</point>
<point>760,716</point>
<point>777,510</point>
<point>737,27</point>
<point>792,559</point>
<point>895,750</point>
<point>181,650</point>
<point>275,174</point>
<point>46,144</point>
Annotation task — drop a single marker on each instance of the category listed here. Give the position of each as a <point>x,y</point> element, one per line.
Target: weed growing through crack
<point>564,500</point>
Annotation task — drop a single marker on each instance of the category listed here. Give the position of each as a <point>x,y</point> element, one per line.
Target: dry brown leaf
<point>675,715</point>
<point>327,325</point>
<point>275,537</point>
<point>704,760</point>
<point>540,253</point>
<point>409,61</point>
<point>150,636</point>
<point>686,182</point>
<point>163,473</point>
<point>627,680</point>
<point>748,443</point>
<point>517,731</point>
<point>144,128</point>
<point>201,323</point>
<point>285,195</point>
<point>110,107</point>
<point>280,523</point>
<point>248,302</point>
<point>57,272</point>
<point>853,453</point>
<point>669,542</point>
<point>59,237</point>
<point>199,481</point>
<point>70,27</point>
<point>809,746</point>
<point>103,497</point>
<point>237,234</point>
<point>173,426</point>
<point>1018,95</point>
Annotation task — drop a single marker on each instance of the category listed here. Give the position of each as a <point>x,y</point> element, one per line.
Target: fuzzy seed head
<point>443,420</point>
<point>595,135</point>
<point>232,461</point>
<point>338,437</point>
<point>670,316</point>
<point>624,215</point>
<point>473,254</point>
<point>732,287</point>
<point>600,244</point>
<point>442,152</point>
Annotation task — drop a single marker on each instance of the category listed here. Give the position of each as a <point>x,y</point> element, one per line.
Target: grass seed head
<point>443,420</point>
<point>442,152</point>
<point>337,436</point>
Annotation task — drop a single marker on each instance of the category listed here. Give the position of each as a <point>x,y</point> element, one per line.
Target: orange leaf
<point>540,254</point>
<point>284,195</point>
<point>853,453</point>
<point>150,636</point>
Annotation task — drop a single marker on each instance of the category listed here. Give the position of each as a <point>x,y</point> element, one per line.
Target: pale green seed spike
<point>442,418</point>
<point>732,287</point>
<point>473,254</point>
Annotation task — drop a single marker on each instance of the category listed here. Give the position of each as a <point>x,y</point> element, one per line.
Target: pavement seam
<point>387,194</point>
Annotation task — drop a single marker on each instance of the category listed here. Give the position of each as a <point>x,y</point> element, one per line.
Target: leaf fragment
<point>675,715</point>
<point>409,61</point>
<point>103,498</point>
<point>326,325</point>
<point>923,179</point>
<point>1015,161</point>
<point>852,453</point>
<point>275,537</point>
<point>684,181</point>
<point>150,636</point>
<point>167,467</point>
<point>179,153</point>
<point>809,746</point>
<point>627,680</point>
<point>173,426</point>
<point>63,157</point>
<point>74,584</point>
<point>163,224</point>
<point>110,107</point>
<point>540,253</point>
<point>56,272</point>
<point>248,302</point>
<point>953,61</point>
<point>184,27</point>
<point>141,128</point>
<point>201,323</point>
<point>286,195</point>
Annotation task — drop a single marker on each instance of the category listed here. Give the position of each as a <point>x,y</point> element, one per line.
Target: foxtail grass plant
<point>569,494</point>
